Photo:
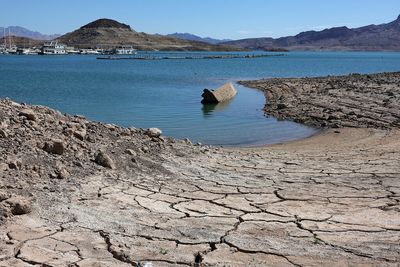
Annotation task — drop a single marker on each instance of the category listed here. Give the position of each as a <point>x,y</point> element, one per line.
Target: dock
<point>153,57</point>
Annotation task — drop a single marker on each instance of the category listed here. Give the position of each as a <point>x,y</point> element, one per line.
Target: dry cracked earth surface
<point>80,193</point>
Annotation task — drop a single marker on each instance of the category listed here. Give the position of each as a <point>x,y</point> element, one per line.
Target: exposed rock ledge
<point>342,101</point>
<point>330,200</point>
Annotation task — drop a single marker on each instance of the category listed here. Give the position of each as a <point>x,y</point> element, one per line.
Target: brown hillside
<point>107,33</point>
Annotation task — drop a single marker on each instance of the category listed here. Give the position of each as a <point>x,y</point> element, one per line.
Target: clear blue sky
<point>233,19</point>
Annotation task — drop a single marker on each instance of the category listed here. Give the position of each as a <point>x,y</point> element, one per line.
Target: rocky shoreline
<point>362,101</point>
<point>79,193</point>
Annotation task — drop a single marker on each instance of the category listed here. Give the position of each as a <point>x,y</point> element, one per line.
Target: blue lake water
<point>166,93</point>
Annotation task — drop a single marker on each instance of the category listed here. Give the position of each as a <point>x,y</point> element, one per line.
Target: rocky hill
<point>110,33</point>
<point>383,37</point>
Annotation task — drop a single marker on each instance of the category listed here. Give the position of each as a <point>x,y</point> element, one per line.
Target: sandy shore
<point>329,200</point>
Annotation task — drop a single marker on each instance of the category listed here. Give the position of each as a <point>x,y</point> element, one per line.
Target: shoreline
<point>317,101</point>
<point>74,191</point>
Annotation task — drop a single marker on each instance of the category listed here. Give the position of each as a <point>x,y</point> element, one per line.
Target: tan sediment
<point>329,200</point>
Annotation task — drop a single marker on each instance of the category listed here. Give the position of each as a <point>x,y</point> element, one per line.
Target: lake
<point>166,93</point>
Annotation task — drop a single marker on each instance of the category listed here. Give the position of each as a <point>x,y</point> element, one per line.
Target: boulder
<point>28,114</point>
<point>55,147</point>
<point>104,160</point>
<point>153,132</point>
<point>80,134</point>
<point>224,93</point>
<point>19,205</point>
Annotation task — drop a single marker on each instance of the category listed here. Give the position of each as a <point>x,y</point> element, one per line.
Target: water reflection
<point>209,109</point>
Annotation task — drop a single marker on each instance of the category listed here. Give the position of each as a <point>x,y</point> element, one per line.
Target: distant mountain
<point>192,37</point>
<point>383,37</point>
<point>22,32</point>
<point>110,33</point>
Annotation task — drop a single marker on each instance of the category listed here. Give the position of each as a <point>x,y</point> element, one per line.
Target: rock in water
<point>104,160</point>
<point>224,93</point>
<point>153,132</point>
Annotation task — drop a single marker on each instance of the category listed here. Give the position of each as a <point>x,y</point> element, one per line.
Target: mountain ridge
<point>19,31</point>
<point>381,37</point>
<point>193,37</point>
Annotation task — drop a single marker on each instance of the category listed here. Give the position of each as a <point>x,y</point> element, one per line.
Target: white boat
<point>27,51</point>
<point>125,50</point>
<point>71,50</point>
<point>89,52</point>
<point>3,49</point>
<point>53,48</point>
<point>12,49</point>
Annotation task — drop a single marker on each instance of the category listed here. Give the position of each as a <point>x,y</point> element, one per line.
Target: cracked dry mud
<point>329,200</point>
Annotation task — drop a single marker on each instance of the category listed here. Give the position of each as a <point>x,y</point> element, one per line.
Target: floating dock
<point>152,57</point>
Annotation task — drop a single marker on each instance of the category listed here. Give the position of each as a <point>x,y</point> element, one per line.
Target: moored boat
<point>125,50</point>
<point>53,48</point>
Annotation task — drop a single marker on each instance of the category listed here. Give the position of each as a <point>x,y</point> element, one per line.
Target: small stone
<point>104,160</point>
<point>19,205</point>
<point>187,141</point>
<point>29,114</point>
<point>14,164</point>
<point>3,166</point>
<point>130,152</point>
<point>56,147</point>
<point>78,164</point>
<point>79,116</point>
<point>81,134</point>
<point>153,132</point>
<point>3,134</point>
<point>62,174</point>
<point>4,196</point>
<point>281,106</point>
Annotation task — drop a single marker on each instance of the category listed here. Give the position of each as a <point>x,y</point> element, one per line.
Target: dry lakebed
<point>79,193</point>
